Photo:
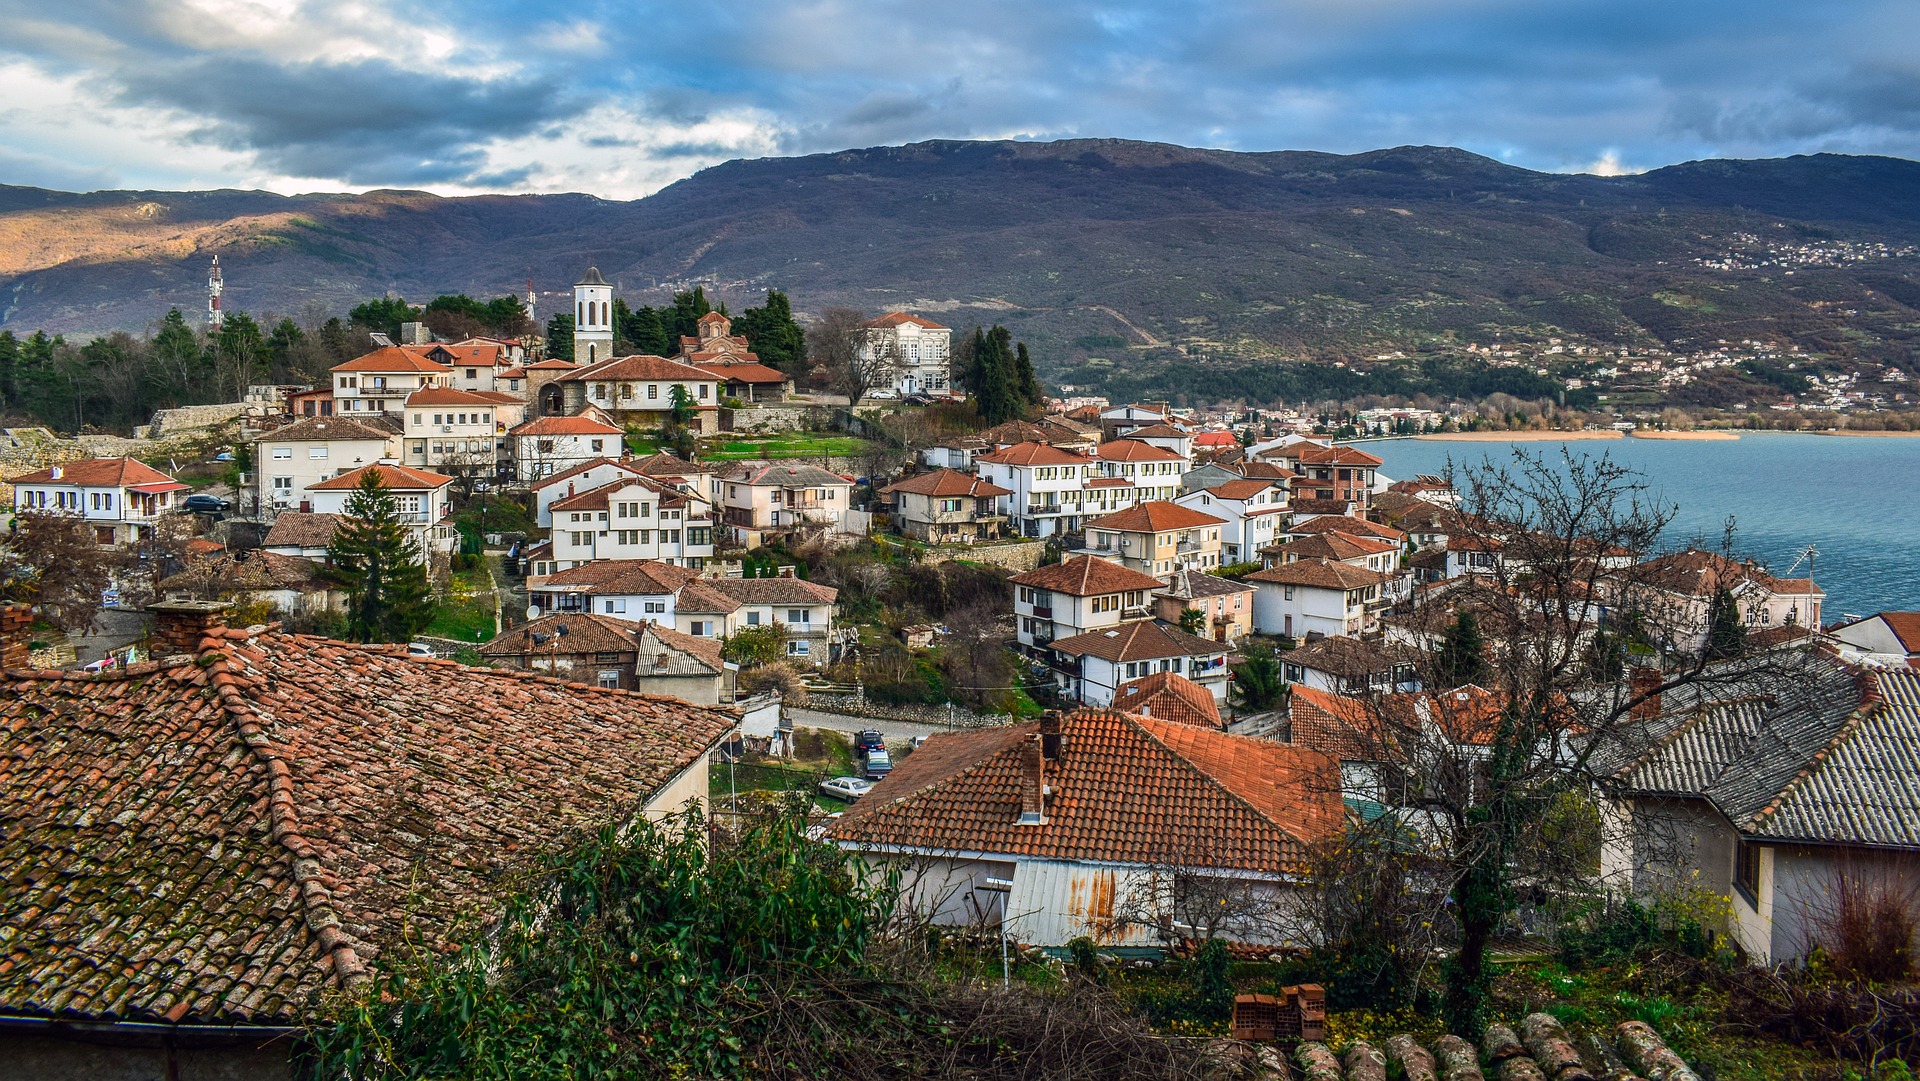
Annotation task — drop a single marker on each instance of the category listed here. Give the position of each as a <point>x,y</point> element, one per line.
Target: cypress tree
<point>647,333</point>
<point>1029,384</point>
<point>560,337</point>
<point>373,558</point>
<point>775,337</point>
<point>1463,652</point>
<point>1726,633</point>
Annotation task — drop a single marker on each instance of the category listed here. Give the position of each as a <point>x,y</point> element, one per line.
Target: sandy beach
<point>1853,432</point>
<point>1704,435</point>
<point>1522,437</point>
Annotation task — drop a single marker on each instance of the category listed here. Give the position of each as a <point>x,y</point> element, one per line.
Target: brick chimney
<point>1645,680</point>
<point>1033,783</point>
<point>1051,741</point>
<point>178,626</point>
<point>16,637</point>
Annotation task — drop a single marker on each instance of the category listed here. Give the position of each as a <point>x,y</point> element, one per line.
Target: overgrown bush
<point>1683,921</point>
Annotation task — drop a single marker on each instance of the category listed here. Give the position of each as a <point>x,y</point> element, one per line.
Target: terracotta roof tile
<point>894,319</point>
<point>301,529</point>
<point>325,429</point>
<point>1033,453</point>
<point>1143,641</point>
<point>1321,574</point>
<point>1169,696</point>
<point>1346,523</point>
<point>641,366</point>
<point>450,396</point>
<point>1134,450</point>
<point>1242,489</point>
<point>620,576</point>
<point>586,633</point>
<point>397,477</point>
<point>773,590</point>
<point>1157,516</point>
<point>392,358</point>
<point>564,426</point>
<point>217,838</point>
<point>1124,789</point>
<point>97,473</point>
<point>948,483</point>
<point>1086,576</point>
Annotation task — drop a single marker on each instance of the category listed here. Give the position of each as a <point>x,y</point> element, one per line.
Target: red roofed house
<point>946,507</point>
<point>633,517</point>
<point>1887,638</point>
<point>1679,591</point>
<point>1091,667</point>
<point>1052,488</point>
<point>1154,471</point>
<point>1254,512</point>
<point>1133,831</point>
<point>640,389</point>
<point>1170,698</point>
<point>1080,594</point>
<point>381,381</point>
<point>421,495</point>
<point>458,432</point>
<point>725,355</point>
<point>121,498</point>
<point>913,352</point>
<point>1157,538</point>
<point>1318,596</point>
<point>1337,472</point>
<point>200,848</point>
<point>547,446</point>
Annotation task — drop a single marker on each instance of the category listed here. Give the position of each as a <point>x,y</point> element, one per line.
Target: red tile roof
<point>742,372</point>
<point>1035,453</point>
<point>624,576</point>
<point>640,366</point>
<point>97,473</point>
<point>449,396</point>
<point>1149,640</point>
<point>325,429</point>
<point>1124,789</point>
<point>301,529</point>
<point>1085,576</point>
<point>586,633</point>
<point>894,319</point>
<point>1703,574</point>
<point>1348,524</point>
<point>664,464</point>
<point>1134,450</point>
<point>1169,697</point>
<point>1310,454</point>
<point>1243,489</point>
<point>552,365</point>
<point>220,837</point>
<point>1156,516</point>
<point>1336,546</point>
<point>1215,439</point>
<point>948,483</point>
<point>558,478</point>
<point>772,590</point>
<point>564,426</point>
<point>1162,430</point>
<point>392,358</point>
<point>1321,574</point>
<point>395,477</point>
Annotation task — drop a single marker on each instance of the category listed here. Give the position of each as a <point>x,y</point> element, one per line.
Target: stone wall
<point>767,418</point>
<point>190,417</point>
<point>1016,557</point>
<point>854,706</point>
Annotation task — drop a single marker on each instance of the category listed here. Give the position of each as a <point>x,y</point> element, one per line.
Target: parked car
<point>202,503</point>
<point>846,788</point>
<point>879,763</point>
<point>868,740</point>
<point>420,649</point>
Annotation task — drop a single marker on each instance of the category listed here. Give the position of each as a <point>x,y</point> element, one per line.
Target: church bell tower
<point>592,318</point>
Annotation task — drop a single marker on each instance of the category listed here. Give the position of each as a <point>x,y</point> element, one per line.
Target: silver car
<point>846,788</point>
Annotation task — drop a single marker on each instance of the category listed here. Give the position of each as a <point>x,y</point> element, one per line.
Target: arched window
<point>580,312</point>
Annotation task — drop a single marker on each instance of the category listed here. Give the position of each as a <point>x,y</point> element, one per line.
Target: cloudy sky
<point>620,99</point>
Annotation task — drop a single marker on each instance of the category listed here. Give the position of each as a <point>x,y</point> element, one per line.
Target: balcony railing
<point>1043,611</point>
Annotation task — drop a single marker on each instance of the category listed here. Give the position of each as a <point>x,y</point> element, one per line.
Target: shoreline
<point>1858,434</point>
<point>1519,437</point>
<point>1705,435</point>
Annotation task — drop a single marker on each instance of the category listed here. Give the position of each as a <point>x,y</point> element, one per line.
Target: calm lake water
<point>1856,498</point>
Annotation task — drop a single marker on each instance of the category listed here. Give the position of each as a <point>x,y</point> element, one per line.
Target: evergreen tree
<point>560,337</point>
<point>1463,652</point>
<point>997,394</point>
<point>374,559</point>
<point>1024,379</point>
<point>775,337</point>
<point>9,370</point>
<point>239,355</point>
<point>645,332</point>
<point>683,319</point>
<point>284,339</point>
<point>338,342</point>
<point>1726,633</point>
<point>383,315</point>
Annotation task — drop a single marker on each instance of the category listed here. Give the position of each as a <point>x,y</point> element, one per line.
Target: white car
<point>846,788</point>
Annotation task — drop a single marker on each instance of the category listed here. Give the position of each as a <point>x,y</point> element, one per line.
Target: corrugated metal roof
<point>1867,788</point>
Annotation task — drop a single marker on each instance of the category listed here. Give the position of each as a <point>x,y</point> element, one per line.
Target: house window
<point>703,392</point>
<point>1289,592</point>
<point>283,486</point>
<point>1746,870</point>
<point>799,648</point>
<point>317,453</point>
<point>656,607</point>
<point>606,658</point>
<point>598,444</point>
<point>700,628</point>
<point>610,678</point>
<point>281,454</point>
<point>653,391</point>
<point>753,619</point>
<point>615,604</point>
<point>799,615</point>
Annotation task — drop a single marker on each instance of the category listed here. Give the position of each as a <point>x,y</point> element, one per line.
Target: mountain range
<point>1128,253</point>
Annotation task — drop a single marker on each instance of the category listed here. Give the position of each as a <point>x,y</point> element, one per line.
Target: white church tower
<point>592,319</point>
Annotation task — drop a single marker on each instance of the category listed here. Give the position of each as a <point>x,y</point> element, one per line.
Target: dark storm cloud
<point>369,122</point>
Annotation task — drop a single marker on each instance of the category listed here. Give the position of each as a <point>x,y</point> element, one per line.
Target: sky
<point>621,99</point>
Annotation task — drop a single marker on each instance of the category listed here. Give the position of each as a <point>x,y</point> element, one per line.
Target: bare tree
<point>1497,787</point>
<point>54,561</point>
<point>856,362</point>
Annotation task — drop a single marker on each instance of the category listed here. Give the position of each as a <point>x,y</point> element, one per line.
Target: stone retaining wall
<point>852,706</point>
<point>1024,556</point>
<point>766,419</point>
<point>189,417</point>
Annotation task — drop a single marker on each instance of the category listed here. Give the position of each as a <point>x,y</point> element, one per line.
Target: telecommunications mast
<point>214,288</point>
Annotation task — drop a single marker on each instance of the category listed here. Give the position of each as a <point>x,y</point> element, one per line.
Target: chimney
<point>1033,783</point>
<point>1645,680</point>
<point>786,572</point>
<point>178,626</point>
<point>16,637</point>
<point>1051,741</point>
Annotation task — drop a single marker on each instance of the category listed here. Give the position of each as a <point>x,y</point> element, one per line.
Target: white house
<point>783,495</point>
<point>454,431</point>
<point>1090,667</point>
<point>1317,596</point>
<point>292,458</point>
<point>1679,591</point>
<point>1887,638</point>
<point>803,611</point>
<point>584,477</point>
<point>1157,538</point>
<point>422,497</point>
<point>632,518</point>
<point>985,835</point>
<point>1154,472</point>
<point>1077,595</point>
<point>911,354</point>
<point>1052,489</point>
<point>121,498</point>
<point>549,445</point>
<point>633,589</point>
<point>1337,664</point>
<point>1253,513</point>
<point>383,380</point>
<point>640,390</point>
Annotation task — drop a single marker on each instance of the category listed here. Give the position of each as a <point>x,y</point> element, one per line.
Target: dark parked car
<point>207,504</point>
<point>868,740</point>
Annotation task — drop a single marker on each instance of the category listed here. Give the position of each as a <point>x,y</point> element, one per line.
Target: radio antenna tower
<point>530,298</point>
<point>214,288</point>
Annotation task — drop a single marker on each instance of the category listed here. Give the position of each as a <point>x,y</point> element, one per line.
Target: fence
<point>848,705</point>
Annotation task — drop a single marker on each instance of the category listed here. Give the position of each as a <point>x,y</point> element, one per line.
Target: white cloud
<point>1608,164</point>
<point>615,152</point>
<point>579,37</point>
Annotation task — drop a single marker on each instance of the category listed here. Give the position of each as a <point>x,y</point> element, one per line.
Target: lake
<point>1857,499</point>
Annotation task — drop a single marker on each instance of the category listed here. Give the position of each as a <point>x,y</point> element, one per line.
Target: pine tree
<point>374,559</point>
<point>684,318</point>
<point>775,337</point>
<point>1463,652</point>
<point>9,369</point>
<point>647,333</point>
<point>998,395</point>
<point>560,337</point>
<point>1726,634</point>
<point>1028,383</point>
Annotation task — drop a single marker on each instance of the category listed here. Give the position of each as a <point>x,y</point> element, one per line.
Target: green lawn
<point>466,614</point>
<point>786,445</point>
